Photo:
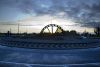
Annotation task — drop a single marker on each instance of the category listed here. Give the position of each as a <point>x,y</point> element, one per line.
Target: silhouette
<point>97,31</point>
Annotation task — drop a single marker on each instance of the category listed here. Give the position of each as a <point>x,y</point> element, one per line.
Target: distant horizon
<point>14,29</point>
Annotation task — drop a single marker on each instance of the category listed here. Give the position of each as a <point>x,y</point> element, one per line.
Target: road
<point>21,57</point>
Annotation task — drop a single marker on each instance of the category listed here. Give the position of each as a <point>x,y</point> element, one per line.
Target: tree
<point>97,31</point>
<point>73,32</point>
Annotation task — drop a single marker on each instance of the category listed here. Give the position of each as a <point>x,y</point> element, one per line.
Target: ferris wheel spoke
<point>48,30</point>
<point>56,30</point>
<point>52,29</point>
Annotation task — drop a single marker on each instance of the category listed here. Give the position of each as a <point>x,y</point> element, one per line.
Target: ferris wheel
<point>52,28</point>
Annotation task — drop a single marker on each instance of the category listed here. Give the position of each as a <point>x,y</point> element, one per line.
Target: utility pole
<point>10,30</point>
<point>18,28</point>
<point>52,25</point>
<point>52,29</point>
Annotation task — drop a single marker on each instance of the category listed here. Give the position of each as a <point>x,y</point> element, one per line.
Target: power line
<point>23,24</point>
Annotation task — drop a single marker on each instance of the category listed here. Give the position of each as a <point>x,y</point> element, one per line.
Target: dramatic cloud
<point>85,12</point>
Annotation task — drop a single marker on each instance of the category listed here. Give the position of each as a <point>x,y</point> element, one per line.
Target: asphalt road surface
<point>21,57</point>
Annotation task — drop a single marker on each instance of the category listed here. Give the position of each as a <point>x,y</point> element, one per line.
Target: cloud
<point>86,12</point>
<point>91,24</point>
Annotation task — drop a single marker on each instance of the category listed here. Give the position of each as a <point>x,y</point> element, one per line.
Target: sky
<point>33,15</point>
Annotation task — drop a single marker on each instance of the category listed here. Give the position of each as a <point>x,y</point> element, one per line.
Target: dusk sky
<point>33,15</point>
